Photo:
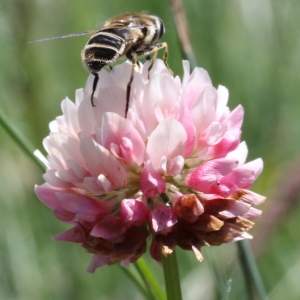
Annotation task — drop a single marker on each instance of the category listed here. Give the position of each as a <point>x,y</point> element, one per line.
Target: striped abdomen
<point>102,49</point>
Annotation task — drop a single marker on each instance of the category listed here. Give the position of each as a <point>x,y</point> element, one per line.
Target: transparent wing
<point>64,36</point>
<point>79,33</point>
<point>140,26</point>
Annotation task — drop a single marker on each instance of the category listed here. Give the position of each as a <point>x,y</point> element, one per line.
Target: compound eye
<point>160,28</point>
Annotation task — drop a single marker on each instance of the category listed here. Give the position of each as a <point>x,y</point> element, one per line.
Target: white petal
<point>215,133</point>
<point>167,140</point>
<point>204,109</point>
<point>198,80</point>
<point>100,161</point>
<point>61,148</point>
<point>223,95</point>
<point>240,153</point>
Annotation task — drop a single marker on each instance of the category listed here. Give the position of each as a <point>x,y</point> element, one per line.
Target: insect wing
<point>64,36</point>
<point>139,26</point>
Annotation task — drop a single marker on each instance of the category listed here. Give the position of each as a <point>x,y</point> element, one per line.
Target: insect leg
<point>153,49</point>
<point>152,61</point>
<point>166,54</point>
<point>96,79</point>
<point>133,63</point>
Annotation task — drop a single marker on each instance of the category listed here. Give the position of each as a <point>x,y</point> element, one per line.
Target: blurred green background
<point>252,47</point>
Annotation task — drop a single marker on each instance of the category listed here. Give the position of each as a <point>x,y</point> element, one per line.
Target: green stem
<point>133,278</point>
<point>171,274</point>
<point>220,286</point>
<point>150,280</point>
<point>250,269</point>
<point>20,139</point>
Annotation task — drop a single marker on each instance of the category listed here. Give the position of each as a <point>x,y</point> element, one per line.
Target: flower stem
<point>181,24</point>
<point>150,280</point>
<point>171,274</point>
<point>250,270</point>
<point>133,278</point>
<point>19,139</point>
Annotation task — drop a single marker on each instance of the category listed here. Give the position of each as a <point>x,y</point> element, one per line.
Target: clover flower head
<point>173,171</point>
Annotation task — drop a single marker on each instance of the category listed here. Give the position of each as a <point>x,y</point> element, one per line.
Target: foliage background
<point>251,47</point>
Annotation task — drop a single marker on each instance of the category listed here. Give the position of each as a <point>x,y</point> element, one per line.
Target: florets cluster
<point>174,170</point>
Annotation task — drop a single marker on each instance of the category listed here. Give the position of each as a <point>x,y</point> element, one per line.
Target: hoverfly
<point>127,35</point>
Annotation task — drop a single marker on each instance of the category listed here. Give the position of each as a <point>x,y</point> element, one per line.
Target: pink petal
<point>245,175</point>
<point>151,182</point>
<point>133,212</point>
<point>235,209</point>
<point>252,214</point>
<point>228,143</point>
<point>208,175</point>
<point>110,228</point>
<point>231,138</point>
<point>235,119</point>
<point>65,216</point>
<point>98,261</point>
<point>186,120</point>
<point>86,208</point>
<point>119,131</point>
<point>162,219</point>
<point>155,251</point>
<point>226,208</point>
<point>75,235</point>
<point>48,196</point>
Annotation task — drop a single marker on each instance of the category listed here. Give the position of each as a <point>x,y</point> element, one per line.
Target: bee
<point>129,35</point>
